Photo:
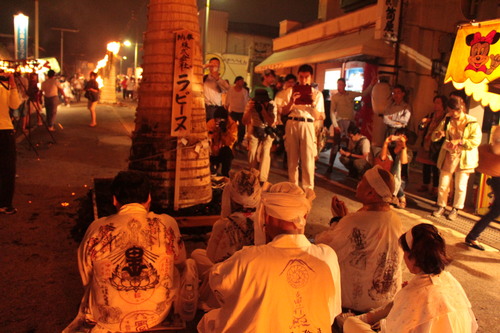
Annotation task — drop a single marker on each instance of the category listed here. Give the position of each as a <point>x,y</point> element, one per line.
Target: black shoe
<point>8,210</point>
<point>439,212</point>
<point>475,244</point>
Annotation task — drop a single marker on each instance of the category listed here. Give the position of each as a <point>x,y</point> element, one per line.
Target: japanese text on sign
<point>183,72</point>
<point>391,20</point>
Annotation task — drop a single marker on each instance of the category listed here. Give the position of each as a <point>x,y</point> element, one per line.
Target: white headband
<point>243,188</point>
<point>409,239</point>
<point>378,184</point>
<point>285,201</point>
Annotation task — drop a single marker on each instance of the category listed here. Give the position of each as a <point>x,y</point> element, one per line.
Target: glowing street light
<point>128,43</point>
<point>21,22</point>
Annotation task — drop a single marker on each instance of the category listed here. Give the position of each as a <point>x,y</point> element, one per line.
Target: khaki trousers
<point>461,179</point>
<point>300,145</point>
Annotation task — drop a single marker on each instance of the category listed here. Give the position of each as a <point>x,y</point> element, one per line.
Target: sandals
<point>474,244</point>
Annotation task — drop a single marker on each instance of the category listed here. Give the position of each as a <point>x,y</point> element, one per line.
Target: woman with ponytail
<point>432,302</point>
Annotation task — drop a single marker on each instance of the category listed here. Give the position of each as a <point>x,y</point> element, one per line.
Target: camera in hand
<point>223,125</point>
<point>261,96</point>
<point>258,107</point>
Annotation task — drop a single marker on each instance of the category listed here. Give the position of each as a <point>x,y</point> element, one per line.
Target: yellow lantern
<point>475,62</point>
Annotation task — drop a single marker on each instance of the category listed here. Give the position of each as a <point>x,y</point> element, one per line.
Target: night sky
<point>102,21</point>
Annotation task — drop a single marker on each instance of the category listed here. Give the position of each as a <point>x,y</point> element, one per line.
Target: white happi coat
<point>367,246</point>
<point>431,304</point>
<point>229,235</point>
<point>126,262</point>
<point>287,285</point>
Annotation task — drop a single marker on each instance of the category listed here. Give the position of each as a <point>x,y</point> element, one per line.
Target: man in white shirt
<point>287,285</point>
<point>51,89</point>
<point>342,105</point>
<point>398,113</point>
<point>366,243</point>
<point>236,101</point>
<point>300,137</point>
<point>127,263</point>
<point>213,87</point>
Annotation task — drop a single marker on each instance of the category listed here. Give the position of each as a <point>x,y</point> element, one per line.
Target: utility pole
<point>63,30</point>
<point>37,40</point>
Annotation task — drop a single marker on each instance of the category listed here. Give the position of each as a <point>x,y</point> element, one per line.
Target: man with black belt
<point>304,105</point>
<point>9,98</point>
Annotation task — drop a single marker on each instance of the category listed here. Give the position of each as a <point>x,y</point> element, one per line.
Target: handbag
<point>435,147</point>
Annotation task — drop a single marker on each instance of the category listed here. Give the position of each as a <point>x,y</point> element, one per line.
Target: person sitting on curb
<point>433,301</point>
<point>285,285</point>
<point>366,243</point>
<point>355,157</point>
<point>234,229</point>
<point>128,264</point>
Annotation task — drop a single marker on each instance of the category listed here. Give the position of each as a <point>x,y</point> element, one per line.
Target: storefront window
<point>331,77</point>
<point>354,79</point>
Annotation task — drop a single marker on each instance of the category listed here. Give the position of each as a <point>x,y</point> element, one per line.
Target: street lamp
<point>63,30</point>
<point>128,44</point>
<point>121,63</point>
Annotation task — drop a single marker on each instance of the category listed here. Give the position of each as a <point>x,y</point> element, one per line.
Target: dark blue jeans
<point>51,104</point>
<point>491,215</point>
<point>7,167</point>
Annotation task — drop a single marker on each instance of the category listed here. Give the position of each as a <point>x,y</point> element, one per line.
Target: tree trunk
<point>154,149</point>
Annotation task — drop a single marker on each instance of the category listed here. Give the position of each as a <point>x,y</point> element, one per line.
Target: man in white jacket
<point>287,285</point>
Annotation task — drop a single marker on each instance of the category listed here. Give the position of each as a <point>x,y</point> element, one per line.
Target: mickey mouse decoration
<point>479,52</point>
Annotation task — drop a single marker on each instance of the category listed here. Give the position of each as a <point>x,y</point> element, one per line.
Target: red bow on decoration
<point>480,39</point>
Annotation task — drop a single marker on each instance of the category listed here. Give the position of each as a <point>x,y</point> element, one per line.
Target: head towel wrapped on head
<point>285,201</point>
<point>381,187</point>
<point>243,188</point>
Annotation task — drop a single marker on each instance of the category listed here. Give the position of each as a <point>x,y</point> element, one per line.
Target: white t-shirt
<point>237,100</point>
<point>50,87</point>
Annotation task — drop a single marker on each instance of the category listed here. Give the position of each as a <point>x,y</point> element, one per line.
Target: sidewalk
<point>41,283</point>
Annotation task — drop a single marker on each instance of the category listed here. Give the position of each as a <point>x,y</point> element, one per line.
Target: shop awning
<point>355,44</point>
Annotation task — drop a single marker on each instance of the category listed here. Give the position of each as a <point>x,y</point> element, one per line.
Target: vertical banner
<point>21,36</point>
<point>390,19</point>
<point>182,90</point>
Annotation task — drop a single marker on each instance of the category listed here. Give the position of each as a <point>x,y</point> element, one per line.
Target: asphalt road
<point>41,284</point>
